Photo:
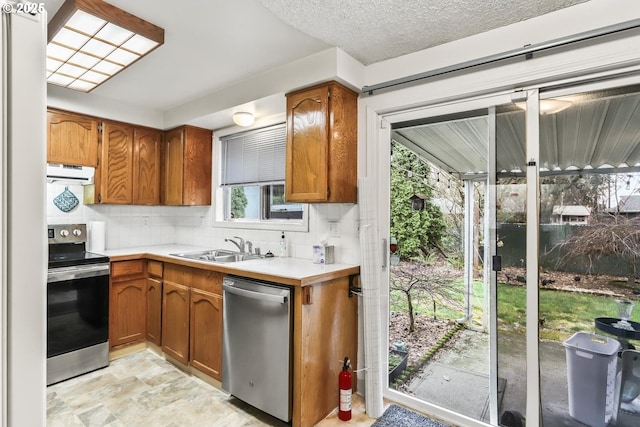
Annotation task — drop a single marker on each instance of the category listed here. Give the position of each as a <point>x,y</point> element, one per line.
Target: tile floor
<point>142,389</point>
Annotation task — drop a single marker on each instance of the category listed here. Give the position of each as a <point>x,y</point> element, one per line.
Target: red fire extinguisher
<point>344,381</point>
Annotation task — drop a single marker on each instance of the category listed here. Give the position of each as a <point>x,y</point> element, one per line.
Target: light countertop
<point>292,271</point>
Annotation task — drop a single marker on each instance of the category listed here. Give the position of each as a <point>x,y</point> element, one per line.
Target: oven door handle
<point>77,272</point>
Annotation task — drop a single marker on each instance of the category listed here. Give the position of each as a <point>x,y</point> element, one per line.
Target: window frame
<point>218,196</point>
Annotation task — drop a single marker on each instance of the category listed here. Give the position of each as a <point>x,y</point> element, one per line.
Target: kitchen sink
<point>217,255</point>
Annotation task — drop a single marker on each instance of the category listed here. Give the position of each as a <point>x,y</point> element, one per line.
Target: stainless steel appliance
<point>77,305</point>
<point>256,344</point>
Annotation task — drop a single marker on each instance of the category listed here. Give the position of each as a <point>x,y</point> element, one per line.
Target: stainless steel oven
<point>77,305</point>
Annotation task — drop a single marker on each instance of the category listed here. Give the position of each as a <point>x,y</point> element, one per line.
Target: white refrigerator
<point>23,254</point>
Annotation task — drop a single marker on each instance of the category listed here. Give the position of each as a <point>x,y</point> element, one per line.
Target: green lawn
<point>561,313</point>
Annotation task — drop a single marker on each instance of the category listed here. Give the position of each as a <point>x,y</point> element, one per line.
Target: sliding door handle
<point>385,255</point>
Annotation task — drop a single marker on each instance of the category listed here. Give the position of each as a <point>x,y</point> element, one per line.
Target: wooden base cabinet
<point>206,333</point>
<point>192,317</point>
<point>154,302</point>
<point>325,331</point>
<point>127,303</point>
<point>175,321</point>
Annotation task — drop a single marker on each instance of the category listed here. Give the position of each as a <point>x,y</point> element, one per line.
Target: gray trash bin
<point>592,362</point>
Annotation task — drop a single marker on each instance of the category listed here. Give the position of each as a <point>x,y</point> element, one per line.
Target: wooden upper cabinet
<point>72,139</point>
<point>173,166</point>
<point>187,166</point>
<point>146,166</point>
<point>322,145</point>
<point>115,184</point>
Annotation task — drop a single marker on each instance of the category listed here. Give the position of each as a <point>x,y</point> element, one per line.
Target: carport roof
<point>597,133</point>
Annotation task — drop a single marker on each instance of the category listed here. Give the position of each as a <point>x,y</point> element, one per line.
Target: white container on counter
<point>323,254</point>
<point>96,236</point>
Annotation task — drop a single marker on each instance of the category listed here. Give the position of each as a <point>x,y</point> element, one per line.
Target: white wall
<point>299,244</point>
<point>132,226</point>
<point>606,56</point>
<point>126,226</point>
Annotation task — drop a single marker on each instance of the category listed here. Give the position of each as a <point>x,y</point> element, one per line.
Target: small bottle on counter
<point>283,246</point>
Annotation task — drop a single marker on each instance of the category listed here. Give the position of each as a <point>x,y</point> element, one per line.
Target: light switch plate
<point>333,229</point>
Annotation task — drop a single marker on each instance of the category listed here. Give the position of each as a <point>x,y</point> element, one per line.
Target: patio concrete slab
<point>460,390</point>
<point>458,378</point>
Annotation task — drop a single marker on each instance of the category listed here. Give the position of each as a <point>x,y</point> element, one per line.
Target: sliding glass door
<point>458,206</point>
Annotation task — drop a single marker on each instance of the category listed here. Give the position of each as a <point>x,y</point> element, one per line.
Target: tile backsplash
<point>131,226</point>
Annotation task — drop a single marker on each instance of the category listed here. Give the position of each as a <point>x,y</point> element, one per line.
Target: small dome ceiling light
<point>243,118</point>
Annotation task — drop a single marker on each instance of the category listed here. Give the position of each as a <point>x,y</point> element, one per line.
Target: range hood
<point>70,173</point>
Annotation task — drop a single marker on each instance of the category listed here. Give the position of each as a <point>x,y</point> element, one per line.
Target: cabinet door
<point>116,165</point>
<point>173,165</point>
<point>206,333</point>
<point>72,139</point>
<point>154,311</point>
<point>307,145</point>
<point>175,321</point>
<point>196,190</point>
<point>127,308</point>
<point>146,166</point>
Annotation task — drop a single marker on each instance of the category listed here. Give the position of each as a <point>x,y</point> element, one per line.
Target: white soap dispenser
<point>283,246</point>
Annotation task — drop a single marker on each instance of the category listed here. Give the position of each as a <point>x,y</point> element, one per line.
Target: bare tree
<point>419,281</point>
<point>610,235</point>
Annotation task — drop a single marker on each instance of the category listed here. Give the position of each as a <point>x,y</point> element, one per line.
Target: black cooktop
<point>70,254</point>
<point>67,246</point>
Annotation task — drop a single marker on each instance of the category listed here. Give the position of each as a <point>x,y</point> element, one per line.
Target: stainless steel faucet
<point>240,245</point>
<point>249,246</point>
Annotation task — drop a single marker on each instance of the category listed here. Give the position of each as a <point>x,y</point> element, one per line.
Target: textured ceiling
<point>375,30</point>
<point>210,45</point>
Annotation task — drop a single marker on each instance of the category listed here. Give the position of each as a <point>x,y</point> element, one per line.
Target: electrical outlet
<point>333,229</point>
<point>145,221</point>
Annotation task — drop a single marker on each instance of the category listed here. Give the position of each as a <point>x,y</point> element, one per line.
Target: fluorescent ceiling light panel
<point>122,57</point>
<point>71,39</point>
<point>139,44</point>
<point>83,60</point>
<point>113,34</point>
<point>94,77</point>
<point>90,41</point>
<point>58,52</point>
<point>81,85</point>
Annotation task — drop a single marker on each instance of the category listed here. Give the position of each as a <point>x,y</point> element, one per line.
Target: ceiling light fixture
<point>548,106</point>
<point>243,118</point>
<point>90,41</point>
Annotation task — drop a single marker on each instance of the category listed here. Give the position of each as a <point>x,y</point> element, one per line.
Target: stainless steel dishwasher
<point>256,344</point>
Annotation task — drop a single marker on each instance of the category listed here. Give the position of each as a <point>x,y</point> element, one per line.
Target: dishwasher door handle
<point>280,299</point>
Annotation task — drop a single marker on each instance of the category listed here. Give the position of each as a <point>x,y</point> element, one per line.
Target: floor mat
<point>395,416</point>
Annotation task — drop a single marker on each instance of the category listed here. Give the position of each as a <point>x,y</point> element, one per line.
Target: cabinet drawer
<point>154,268</point>
<point>128,269</point>
<point>205,280</point>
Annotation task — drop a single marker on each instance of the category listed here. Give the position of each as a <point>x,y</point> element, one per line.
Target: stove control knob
<point>64,233</point>
<point>77,232</point>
